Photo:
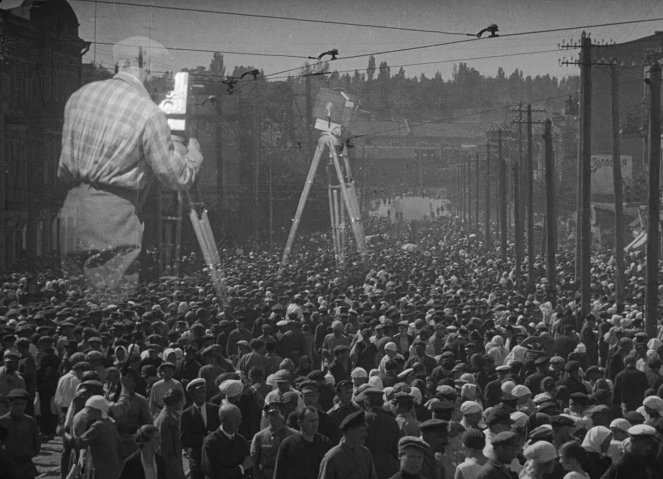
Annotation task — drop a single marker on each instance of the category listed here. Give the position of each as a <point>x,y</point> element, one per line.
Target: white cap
<point>470,407</point>
<point>520,391</point>
<point>231,388</point>
<point>641,430</point>
<point>100,404</point>
<point>390,347</point>
<point>358,373</point>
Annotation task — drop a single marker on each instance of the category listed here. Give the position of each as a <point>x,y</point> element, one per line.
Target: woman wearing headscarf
<point>518,353</point>
<point>541,459</point>
<point>496,350</point>
<point>596,444</point>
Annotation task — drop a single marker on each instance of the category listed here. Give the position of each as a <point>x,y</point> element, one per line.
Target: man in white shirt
<point>66,389</point>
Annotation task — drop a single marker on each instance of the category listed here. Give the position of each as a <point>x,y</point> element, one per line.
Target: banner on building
<point>602,173</point>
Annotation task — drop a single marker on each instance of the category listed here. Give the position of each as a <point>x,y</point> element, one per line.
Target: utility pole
<point>517,228</point>
<point>469,191</point>
<point>653,237</point>
<point>585,174</point>
<point>256,190</point>
<point>530,203</point>
<point>551,215</point>
<point>502,166</point>
<point>618,187</point>
<point>487,218</point>
<point>476,192</point>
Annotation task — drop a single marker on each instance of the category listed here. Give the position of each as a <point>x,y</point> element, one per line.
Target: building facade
<point>41,55</point>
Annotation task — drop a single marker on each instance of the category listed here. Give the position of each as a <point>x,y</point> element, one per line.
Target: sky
<point>109,23</point>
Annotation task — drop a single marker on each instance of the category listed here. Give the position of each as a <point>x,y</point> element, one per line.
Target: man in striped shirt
<point>115,141</point>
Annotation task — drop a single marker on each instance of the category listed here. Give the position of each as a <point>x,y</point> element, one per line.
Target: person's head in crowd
<point>97,407</point>
<point>411,453</point>
<point>276,415</point>
<point>572,456</point>
<point>173,399</point>
<point>167,370</point>
<point>541,459</point>
<point>344,392</point>
<point>148,437</point>
<point>619,428</point>
<point>474,441</point>
<point>507,445</point>
<point>308,420</point>
<point>354,428</point>
<point>197,391</point>
<point>562,426</point>
<point>472,414</point>
<point>653,406</point>
<point>282,379</point>
<point>597,440</point>
<point>10,359</point>
<point>644,441</point>
<point>436,434</point>
<point>256,375</point>
<point>498,419</point>
<point>230,417</point>
<point>18,401</point>
<point>359,376</point>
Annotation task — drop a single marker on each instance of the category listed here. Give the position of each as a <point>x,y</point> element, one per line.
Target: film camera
<point>333,111</point>
<point>174,105</point>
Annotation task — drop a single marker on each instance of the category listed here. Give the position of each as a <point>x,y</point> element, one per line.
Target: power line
<point>277,17</point>
<point>228,52</point>
<point>455,42</point>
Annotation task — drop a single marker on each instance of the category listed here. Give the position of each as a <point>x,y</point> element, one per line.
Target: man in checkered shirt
<point>115,141</point>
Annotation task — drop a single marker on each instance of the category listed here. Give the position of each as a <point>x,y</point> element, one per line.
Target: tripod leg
<point>302,201</point>
<point>332,219</point>
<point>341,228</point>
<point>347,190</point>
<point>178,234</point>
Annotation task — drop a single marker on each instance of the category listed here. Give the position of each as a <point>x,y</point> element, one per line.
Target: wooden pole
<point>517,227</point>
<point>619,196</point>
<point>476,192</point>
<point>653,237</point>
<point>551,214</point>
<point>585,170</point>
<point>503,232</point>
<point>487,219</point>
<point>530,204</point>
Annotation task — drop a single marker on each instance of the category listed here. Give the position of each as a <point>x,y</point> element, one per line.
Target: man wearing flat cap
<point>198,420</point>
<point>350,458</point>
<point>411,453</point>
<point>115,141</point>
<point>383,433</point>
<point>640,457</point>
<point>435,433</point>
<point>9,377</point>
<point>22,443</point>
<point>506,447</point>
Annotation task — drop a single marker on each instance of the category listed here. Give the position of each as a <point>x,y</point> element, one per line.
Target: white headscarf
<point>595,438</point>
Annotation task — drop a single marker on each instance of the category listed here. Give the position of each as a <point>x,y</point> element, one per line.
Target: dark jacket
<point>222,456</point>
<point>630,387</point>
<point>133,467</point>
<point>194,432</point>
<point>595,465</point>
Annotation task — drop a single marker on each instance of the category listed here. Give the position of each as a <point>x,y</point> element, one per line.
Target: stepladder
<point>343,203</point>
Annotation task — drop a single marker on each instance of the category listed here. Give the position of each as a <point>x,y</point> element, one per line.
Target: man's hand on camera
<point>194,152</point>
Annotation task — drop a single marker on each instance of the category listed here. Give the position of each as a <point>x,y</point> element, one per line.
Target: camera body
<point>333,111</point>
<point>175,104</point>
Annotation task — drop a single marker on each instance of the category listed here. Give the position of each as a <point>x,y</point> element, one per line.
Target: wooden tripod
<point>342,200</point>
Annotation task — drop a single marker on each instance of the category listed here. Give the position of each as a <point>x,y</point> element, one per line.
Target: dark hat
<point>281,376</point>
<point>402,396</point>
<point>341,348</point>
<point>407,442</point>
<point>343,385</point>
<point>497,415</point>
<point>542,360</point>
<point>275,407</point>
<point>573,366</point>
<point>474,439</point>
<point>309,386</point>
<point>166,364</point>
<point>561,421</point>
<point>541,433</point>
<point>505,438</point>
<point>18,394</point>
<point>354,419</point>
<point>437,425</point>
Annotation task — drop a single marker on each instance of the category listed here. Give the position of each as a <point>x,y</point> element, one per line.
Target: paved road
<point>48,461</point>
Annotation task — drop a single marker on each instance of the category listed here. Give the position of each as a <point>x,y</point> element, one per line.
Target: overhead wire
<point>277,17</point>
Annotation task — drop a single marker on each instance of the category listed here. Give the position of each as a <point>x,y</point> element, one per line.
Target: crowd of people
<point>432,363</point>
